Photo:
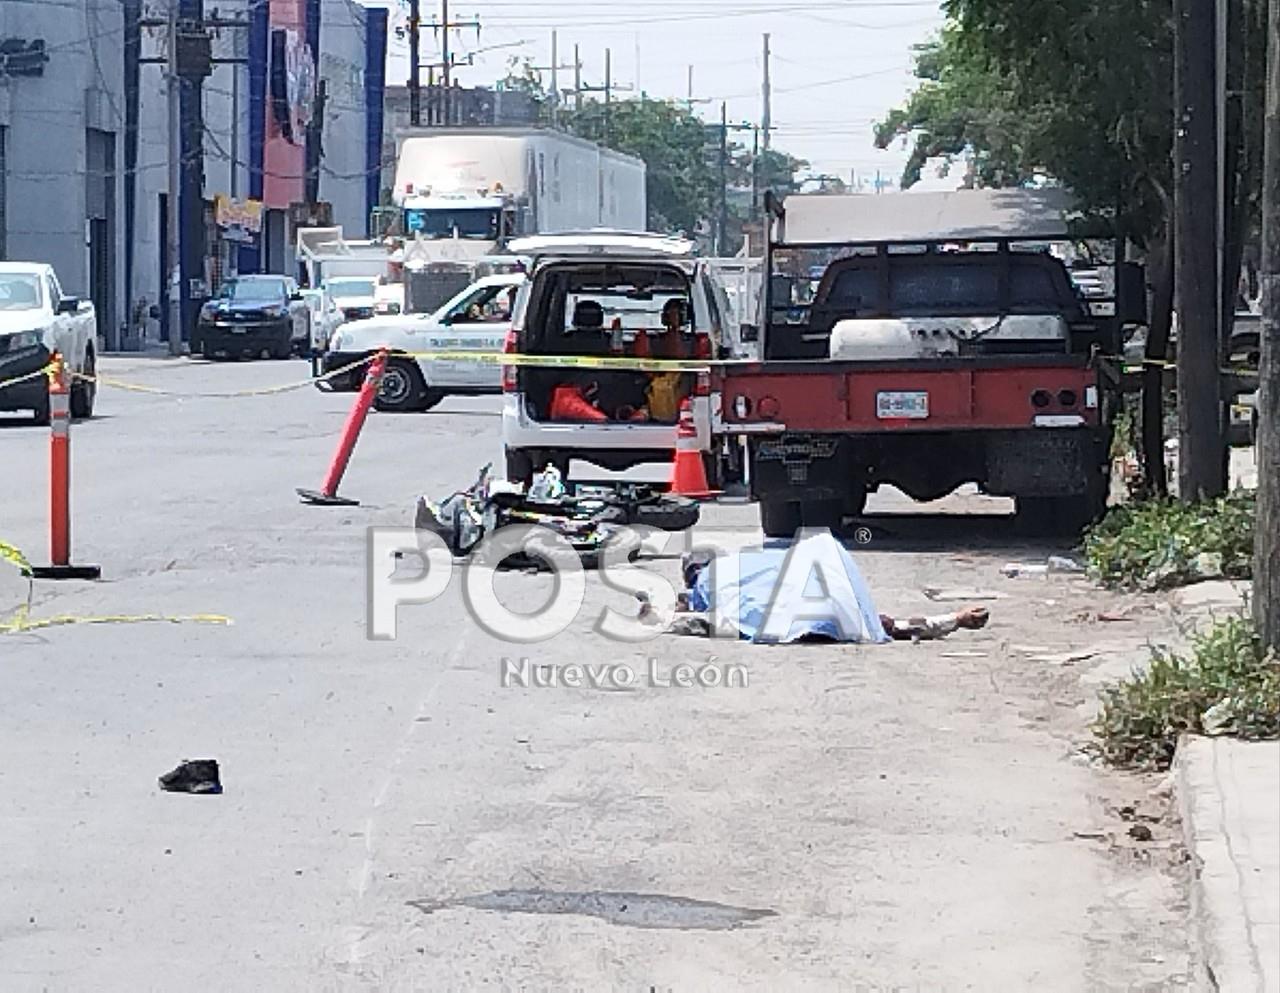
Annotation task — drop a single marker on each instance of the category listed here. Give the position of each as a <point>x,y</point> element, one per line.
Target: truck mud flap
<point>805,466</point>
<point>1044,463</point>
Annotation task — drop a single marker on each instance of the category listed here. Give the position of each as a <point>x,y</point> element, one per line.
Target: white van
<point>609,295</point>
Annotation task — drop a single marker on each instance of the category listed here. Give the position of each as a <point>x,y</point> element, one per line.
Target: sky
<point>837,65</point>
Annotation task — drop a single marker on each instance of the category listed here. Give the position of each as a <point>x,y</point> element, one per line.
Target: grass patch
<point>1160,544</point>
<point>1226,685</point>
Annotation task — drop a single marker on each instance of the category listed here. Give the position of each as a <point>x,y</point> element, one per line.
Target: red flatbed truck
<point>937,341</point>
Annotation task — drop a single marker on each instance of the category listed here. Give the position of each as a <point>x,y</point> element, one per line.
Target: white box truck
<point>464,192</point>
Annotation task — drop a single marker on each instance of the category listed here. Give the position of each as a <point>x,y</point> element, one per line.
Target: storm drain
<point>645,910</point>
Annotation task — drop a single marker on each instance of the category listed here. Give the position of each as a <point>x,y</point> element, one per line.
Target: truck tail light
<point>702,385</point>
<point>1068,398</point>
<point>509,347</point>
<point>1041,399</point>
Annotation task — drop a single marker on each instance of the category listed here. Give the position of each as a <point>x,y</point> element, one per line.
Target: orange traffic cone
<point>688,474</point>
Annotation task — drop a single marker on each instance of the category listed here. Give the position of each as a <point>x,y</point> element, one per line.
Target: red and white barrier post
<point>60,482</point>
<point>328,496</point>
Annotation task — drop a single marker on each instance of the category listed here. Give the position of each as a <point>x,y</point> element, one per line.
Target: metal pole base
<point>321,500</point>
<point>66,572</point>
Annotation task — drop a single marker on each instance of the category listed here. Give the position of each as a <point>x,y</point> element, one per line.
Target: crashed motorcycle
<point>587,518</point>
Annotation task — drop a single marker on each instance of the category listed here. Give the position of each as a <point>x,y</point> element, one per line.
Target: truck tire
<point>84,392</point>
<point>283,349</point>
<point>519,466</point>
<point>855,501</point>
<point>403,389</point>
<point>780,518</point>
<point>41,411</point>
<point>667,513</point>
<point>1058,517</point>
<point>822,514</point>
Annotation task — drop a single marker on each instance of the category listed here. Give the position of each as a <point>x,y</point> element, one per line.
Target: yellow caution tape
<point>118,384</point>
<point>44,371</point>
<point>565,361</point>
<point>14,556</point>
<point>479,357</point>
<point>23,622</point>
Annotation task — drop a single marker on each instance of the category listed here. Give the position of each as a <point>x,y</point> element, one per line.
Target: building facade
<point>62,99</point>
<point>291,133</point>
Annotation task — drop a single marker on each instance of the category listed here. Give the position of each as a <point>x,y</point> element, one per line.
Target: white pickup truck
<point>37,319</point>
<point>476,320</point>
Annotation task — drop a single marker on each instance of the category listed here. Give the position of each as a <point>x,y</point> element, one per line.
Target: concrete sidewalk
<point>1229,793</point>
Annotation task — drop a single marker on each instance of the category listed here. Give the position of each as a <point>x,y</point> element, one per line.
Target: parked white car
<point>37,319</point>
<point>475,320</point>
<point>355,296</point>
<point>388,299</point>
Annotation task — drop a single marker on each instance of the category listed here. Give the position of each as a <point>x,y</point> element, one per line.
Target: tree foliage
<point>672,142</point>
<point>1080,92</point>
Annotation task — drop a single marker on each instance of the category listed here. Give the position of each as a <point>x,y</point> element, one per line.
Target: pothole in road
<point>644,910</point>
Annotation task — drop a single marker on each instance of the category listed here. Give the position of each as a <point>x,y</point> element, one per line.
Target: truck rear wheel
<point>1059,517</point>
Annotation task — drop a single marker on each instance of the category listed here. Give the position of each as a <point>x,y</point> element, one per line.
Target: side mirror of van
<point>1131,293</point>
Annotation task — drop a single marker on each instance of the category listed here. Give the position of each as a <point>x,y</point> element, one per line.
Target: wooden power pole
<point>1266,547</point>
<point>1200,429</point>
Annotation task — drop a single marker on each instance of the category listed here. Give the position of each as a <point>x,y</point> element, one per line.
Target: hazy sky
<point>837,64</point>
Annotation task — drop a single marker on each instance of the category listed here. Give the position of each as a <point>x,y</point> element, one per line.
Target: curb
<point>1225,933</point>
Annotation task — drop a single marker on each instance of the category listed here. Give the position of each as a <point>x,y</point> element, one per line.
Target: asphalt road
<point>906,817</point>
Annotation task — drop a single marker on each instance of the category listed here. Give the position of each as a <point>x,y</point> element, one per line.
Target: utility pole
<point>415,64</point>
<point>755,175</point>
<point>555,78</point>
<point>173,216</point>
<point>608,89</point>
<point>766,116</point>
<point>554,68</point>
<point>189,61</point>
<point>1266,540</point>
<point>577,79</point>
<point>1200,429</point>
<point>445,57</point>
<point>447,63</point>
<point>724,180</point>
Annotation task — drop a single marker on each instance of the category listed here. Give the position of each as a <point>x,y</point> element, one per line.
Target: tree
<point>1266,535</point>
<point>1082,93</point>
<point>672,142</point>
<point>523,77</point>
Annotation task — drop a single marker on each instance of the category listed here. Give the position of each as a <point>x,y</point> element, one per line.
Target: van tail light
<point>702,346</point>
<point>702,385</point>
<point>509,347</point>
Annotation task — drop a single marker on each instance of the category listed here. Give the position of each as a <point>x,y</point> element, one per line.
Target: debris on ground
<point>1054,564</point>
<point>198,776</point>
<point>587,519</point>
<point>961,596</point>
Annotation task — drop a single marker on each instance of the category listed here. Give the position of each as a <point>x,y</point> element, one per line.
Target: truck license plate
<point>907,403</point>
